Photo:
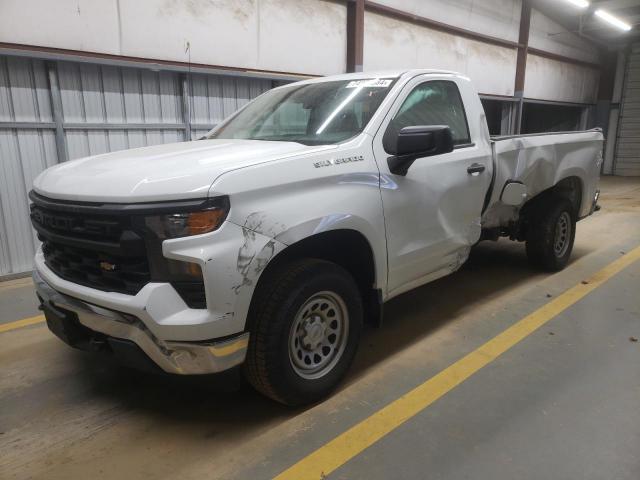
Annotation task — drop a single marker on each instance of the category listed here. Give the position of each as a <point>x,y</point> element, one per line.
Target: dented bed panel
<point>539,162</point>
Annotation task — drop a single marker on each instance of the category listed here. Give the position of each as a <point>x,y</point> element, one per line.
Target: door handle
<point>476,169</point>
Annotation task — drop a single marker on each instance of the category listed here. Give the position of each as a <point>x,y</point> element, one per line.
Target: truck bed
<point>540,161</point>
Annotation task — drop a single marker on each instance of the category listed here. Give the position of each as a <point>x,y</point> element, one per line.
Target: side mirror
<point>412,143</point>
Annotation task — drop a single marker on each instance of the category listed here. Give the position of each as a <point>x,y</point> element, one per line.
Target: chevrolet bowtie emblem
<point>107,267</point>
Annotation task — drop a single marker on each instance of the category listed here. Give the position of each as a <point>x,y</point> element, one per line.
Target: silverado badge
<point>338,161</point>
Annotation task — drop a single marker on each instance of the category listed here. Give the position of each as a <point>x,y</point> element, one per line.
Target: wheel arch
<point>348,248</point>
<point>570,187</point>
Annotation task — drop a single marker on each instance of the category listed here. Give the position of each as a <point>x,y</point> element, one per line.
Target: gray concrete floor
<point>563,403</point>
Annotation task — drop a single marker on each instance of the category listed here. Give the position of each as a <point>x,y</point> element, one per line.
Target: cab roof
<point>378,74</point>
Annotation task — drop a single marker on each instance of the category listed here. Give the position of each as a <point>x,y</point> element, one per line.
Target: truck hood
<point>162,172</point>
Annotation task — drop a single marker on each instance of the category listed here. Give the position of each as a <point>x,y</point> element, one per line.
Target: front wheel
<point>306,323</point>
<point>551,232</point>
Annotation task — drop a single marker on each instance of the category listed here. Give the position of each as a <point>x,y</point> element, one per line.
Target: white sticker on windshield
<point>372,82</point>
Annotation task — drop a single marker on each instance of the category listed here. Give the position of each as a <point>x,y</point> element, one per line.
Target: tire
<point>551,231</point>
<point>297,311</point>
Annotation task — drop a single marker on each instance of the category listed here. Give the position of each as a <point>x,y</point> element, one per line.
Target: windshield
<point>312,114</point>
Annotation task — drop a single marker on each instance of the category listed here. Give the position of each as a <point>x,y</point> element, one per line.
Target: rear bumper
<point>185,358</point>
<point>594,205</point>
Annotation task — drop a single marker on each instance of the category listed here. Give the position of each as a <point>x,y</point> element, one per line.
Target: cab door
<point>432,214</point>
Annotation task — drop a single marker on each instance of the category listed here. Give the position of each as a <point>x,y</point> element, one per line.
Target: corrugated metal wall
<point>118,97</point>
<point>215,98</point>
<point>627,158</point>
<point>24,153</point>
<point>102,109</point>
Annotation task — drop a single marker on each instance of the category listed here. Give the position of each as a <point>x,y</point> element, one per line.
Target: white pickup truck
<point>269,242</point>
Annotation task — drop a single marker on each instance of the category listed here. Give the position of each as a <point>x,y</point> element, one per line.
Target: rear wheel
<point>551,232</point>
<point>306,323</point>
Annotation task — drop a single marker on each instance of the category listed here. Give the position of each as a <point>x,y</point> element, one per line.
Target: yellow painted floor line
<point>5,327</point>
<point>341,449</point>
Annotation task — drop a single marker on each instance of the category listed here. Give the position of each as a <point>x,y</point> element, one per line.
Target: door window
<point>436,102</point>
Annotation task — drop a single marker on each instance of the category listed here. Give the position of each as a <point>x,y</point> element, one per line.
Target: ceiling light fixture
<point>610,19</point>
<point>579,3</point>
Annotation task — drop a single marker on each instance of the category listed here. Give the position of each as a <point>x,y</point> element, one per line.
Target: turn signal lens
<point>184,270</point>
<point>204,222</point>
<point>176,225</point>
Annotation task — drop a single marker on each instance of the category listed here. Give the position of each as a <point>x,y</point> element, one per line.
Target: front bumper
<point>231,259</point>
<point>185,358</point>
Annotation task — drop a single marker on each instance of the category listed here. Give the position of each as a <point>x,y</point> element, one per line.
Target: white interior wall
<point>545,34</point>
<point>306,36</point>
<point>547,79</point>
<point>218,33</point>
<point>309,37</point>
<point>391,43</point>
<point>255,34</point>
<point>74,24</point>
<point>497,18</point>
<point>501,19</point>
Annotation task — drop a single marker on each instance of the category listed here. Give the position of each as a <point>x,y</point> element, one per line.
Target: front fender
<point>231,260</point>
<point>330,222</point>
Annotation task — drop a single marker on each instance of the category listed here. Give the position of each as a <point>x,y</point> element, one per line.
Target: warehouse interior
<point>427,396</point>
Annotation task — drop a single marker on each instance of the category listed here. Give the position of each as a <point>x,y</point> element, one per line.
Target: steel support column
<point>186,107</point>
<point>355,35</point>
<point>605,106</point>
<point>521,62</point>
<point>56,107</point>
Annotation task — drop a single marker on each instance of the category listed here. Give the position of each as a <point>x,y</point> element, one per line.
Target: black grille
<point>91,249</point>
<point>97,269</point>
<point>108,247</point>
<point>75,225</point>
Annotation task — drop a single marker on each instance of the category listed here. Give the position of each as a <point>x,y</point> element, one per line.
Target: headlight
<point>184,224</point>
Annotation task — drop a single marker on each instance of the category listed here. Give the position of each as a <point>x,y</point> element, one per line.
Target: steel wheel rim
<point>318,335</point>
<point>562,235</point>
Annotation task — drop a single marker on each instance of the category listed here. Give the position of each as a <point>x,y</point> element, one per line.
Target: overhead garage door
<point>103,109</point>
<point>627,159</point>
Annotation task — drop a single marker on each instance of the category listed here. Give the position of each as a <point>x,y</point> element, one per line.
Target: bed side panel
<point>540,162</point>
